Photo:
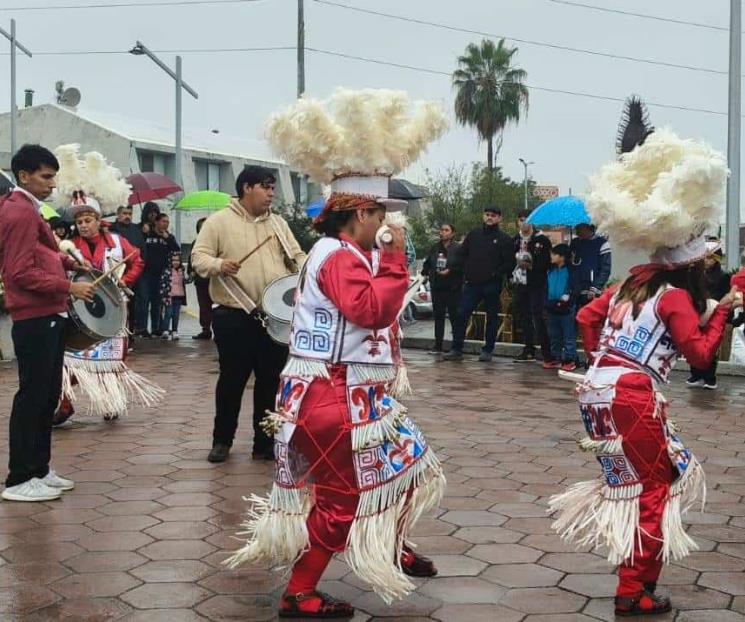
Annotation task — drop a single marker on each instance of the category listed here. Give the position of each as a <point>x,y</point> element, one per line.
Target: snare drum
<point>91,322</point>
<point>277,302</point>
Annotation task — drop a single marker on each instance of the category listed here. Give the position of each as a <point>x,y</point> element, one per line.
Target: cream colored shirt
<point>229,235</point>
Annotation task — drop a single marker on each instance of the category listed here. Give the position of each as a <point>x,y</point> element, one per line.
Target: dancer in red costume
<point>634,336</point>
<point>354,472</point>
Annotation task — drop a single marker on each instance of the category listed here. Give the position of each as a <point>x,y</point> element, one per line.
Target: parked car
<point>421,305</point>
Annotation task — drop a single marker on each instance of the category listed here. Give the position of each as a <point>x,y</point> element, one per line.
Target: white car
<point>421,305</point>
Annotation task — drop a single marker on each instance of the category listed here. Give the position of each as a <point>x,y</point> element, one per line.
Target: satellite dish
<point>70,97</point>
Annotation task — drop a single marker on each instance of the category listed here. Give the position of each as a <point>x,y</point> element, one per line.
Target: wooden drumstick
<point>240,261</point>
<point>97,282</point>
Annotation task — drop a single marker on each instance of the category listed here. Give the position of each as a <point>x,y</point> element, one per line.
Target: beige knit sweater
<point>230,235</point>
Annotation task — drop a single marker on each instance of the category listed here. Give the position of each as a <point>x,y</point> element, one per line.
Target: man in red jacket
<point>36,294</point>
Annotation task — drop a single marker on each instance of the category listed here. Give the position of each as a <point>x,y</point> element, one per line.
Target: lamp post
<point>525,181</point>
<point>733,136</point>
<point>11,36</point>
<point>140,50</point>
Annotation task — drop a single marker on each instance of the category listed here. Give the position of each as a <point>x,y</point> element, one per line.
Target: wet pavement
<point>143,535</point>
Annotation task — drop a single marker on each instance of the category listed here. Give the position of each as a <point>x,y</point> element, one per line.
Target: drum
<point>91,322</point>
<point>277,302</point>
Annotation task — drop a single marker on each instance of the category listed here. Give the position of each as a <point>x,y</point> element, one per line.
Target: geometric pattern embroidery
<point>283,475</point>
<point>367,403</point>
<point>617,470</point>
<point>372,467</point>
<point>598,420</point>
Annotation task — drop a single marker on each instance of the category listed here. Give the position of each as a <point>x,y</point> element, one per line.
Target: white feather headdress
<point>659,196</point>
<point>91,174</point>
<point>370,132</point>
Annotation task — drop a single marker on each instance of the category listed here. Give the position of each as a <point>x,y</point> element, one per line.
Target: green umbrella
<point>47,213</point>
<point>205,200</point>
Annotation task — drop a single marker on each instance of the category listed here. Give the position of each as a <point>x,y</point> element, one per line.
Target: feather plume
<point>369,132</point>
<point>635,125</point>
<point>659,195</point>
<point>92,174</point>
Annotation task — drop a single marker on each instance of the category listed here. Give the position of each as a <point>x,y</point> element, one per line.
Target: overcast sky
<point>567,136</point>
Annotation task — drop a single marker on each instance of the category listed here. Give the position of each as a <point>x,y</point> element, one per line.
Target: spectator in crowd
<point>133,234</point>
<point>159,246</point>
<point>533,256</point>
<point>60,228</point>
<point>591,262</point>
<point>717,287</point>
<point>202,285</point>
<point>173,292</point>
<point>488,257</point>
<point>442,268</point>
<point>561,305</point>
<point>150,212</point>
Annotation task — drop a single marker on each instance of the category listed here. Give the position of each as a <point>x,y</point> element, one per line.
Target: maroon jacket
<point>32,268</point>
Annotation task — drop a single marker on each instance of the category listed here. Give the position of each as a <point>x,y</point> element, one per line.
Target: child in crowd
<point>561,307</point>
<point>717,287</point>
<point>173,290</point>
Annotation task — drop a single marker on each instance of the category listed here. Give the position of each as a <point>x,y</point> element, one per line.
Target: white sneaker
<point>710,385</point>
<point>31,490</point>
<point>55,481</point>
<point>174,336</point>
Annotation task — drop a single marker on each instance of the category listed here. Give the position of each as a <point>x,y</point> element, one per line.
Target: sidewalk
<point>143,535</point>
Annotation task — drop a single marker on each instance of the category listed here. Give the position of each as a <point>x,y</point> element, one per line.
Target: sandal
<point>416,565</point>
<point>290,606</point>
<point>645,604</point>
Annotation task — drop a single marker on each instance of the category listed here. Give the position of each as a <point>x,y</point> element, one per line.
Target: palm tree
<point>490,91</point>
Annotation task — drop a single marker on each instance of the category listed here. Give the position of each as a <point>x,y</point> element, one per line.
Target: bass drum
<point>277,302</point>
<point>91,322</point>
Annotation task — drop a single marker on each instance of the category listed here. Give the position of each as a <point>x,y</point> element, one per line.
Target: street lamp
<point>525,182</point>
<point>140,50</point>
<point>11,36</point>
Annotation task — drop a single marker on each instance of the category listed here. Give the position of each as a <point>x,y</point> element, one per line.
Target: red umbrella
<point>151,187</point>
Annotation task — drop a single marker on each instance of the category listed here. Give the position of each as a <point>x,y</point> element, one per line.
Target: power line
<point>553,46</point>
<point>640,15</point>
<point>374,61</point>
<point>121,5</point>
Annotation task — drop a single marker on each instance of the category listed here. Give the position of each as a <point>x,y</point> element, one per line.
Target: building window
<point>154,162</point>
<point>207,174</point>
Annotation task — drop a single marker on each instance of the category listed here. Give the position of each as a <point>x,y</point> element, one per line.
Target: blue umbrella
<point>315,208</point>
<point>560,212</point>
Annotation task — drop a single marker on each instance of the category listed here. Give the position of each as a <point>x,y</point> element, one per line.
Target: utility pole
<point>300,48</point>
<point>525,180</point>
<point>733,135</point>
<point>14,44</point>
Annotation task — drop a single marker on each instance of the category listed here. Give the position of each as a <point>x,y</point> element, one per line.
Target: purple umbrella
<point>151,187</point>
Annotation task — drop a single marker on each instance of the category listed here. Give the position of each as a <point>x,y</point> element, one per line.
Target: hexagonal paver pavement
<point>143,536</point>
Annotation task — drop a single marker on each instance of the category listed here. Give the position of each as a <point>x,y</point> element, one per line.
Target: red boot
<point>64,412</point>
<point>645,604</point>
<point>416,565</point>
<point>315,605</point>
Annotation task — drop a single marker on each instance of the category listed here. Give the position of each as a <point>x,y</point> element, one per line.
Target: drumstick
<point>240,261</point>
<point>114,267</point>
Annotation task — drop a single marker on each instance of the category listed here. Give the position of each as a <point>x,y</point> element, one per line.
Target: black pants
<point>39,352</point>
<point>205,305</point>
<point>469,300</point>
<point>442,302</point>
<point>244,347</point>
<point>708,375</point>
<point>530,303</point>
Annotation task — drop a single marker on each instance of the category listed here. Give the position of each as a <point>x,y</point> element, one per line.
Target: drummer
<point>243,344</point>
<point>36,295</point>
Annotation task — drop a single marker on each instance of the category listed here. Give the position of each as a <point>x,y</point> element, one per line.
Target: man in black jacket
<point>442,268</point>
<point>533,255</point>
<point>488,257</point>
<point>159,246</point>
<point>133,234</point>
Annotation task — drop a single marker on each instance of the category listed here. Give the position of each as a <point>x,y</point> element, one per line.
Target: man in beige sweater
<point>243,345</point>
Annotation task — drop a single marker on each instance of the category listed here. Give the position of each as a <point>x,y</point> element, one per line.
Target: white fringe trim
<point>593,513</point>
<point>372,374</point>
<point>275,527</point>
<point>311,368</point>
<point>676,543</point>
<point>609,447</point>
<point>384,519</point>
<point>384,429</point>
<point>401,387</point>
<point>109,385</point>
